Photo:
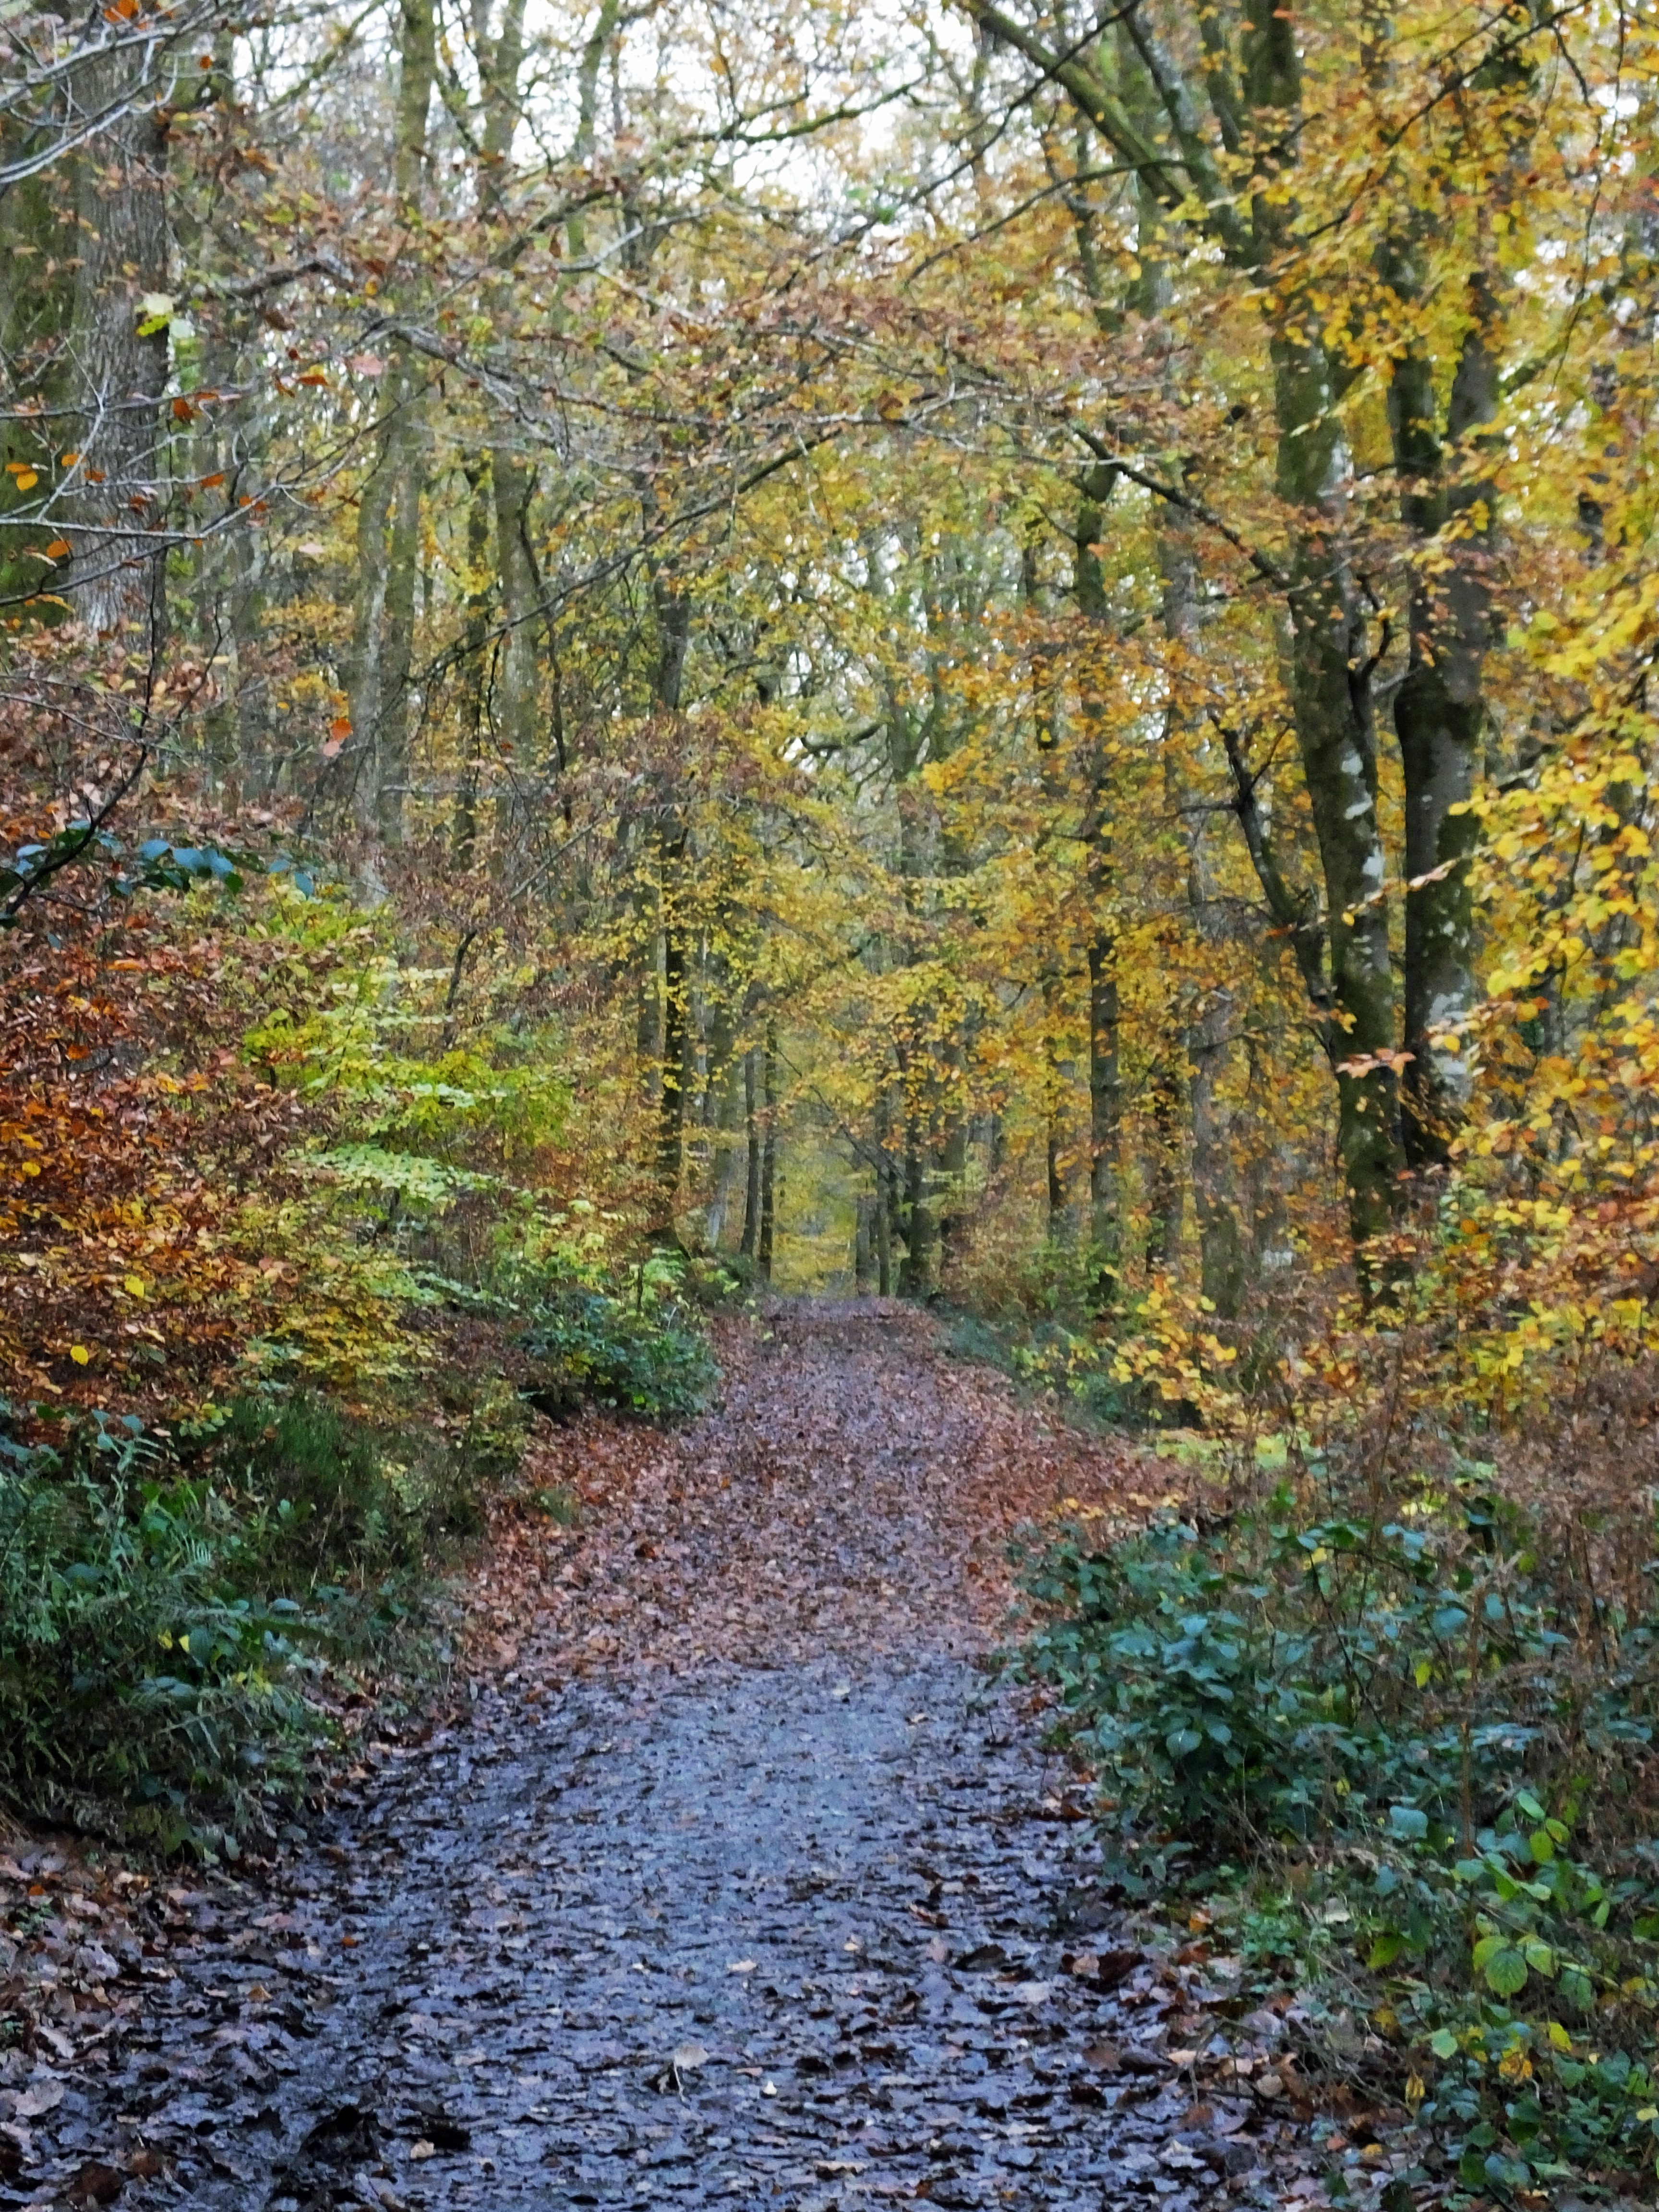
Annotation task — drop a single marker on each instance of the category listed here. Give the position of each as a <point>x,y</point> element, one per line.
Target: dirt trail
<point>741,1881</point>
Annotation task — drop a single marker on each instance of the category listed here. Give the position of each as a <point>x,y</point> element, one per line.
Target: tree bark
<point>1105,1085</point>
<point>1440,717</point>
<point>769,1164</point>
<point>118,365</point>
<point>388,513</point>
<point>749,1243</point>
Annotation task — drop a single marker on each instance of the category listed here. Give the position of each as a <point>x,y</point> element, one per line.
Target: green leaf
<point>1385,1948</point>
<point>1506,1971</point>
<point>1443,2043</point>
<point>1407,1822</point>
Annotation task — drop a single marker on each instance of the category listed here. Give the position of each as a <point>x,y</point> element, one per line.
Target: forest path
<point>740,1882</point>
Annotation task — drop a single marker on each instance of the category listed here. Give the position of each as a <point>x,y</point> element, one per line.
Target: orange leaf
<point>183,411</point>
<point>58,549</point>
<point>218,477</point>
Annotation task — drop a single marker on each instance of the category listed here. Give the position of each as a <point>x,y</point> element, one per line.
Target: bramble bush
<point>1386,1747</point>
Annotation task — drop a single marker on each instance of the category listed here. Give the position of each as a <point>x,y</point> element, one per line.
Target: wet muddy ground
<point>741,1880</point>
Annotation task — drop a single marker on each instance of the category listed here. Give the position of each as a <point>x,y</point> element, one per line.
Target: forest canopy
<point>1031,632</point>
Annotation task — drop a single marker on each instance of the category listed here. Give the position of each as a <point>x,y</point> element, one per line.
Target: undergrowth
<point>1394,1755</point>
<point>635,1348</point>
<point>179,1615</point>
<point>183,1612</point>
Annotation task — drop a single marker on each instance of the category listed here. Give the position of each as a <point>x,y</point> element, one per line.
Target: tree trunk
<point>1439,717</point>
<point>118,349</point>
<point>749,1243</point>
<point>720,1110</point>
<point>1105,1085</point>
<point>1053,1105</point>
<point>388,513</point>
<point>465,829</point>
<point>768,1171</point>
<point>885,1208</point>
<point>1165,1179</point>
<point>671,1097</point>
<point>392,751</point>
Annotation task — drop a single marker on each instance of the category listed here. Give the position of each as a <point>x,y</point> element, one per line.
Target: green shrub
<point>132,1671</point>
<point>1386,1750</point>
<point>642,1356</point>
<point>1274,1678</point>
<point>169,1611</point>
<point>323,1501</point>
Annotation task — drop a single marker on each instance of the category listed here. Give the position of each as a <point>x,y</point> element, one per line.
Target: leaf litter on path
<point>738,1880</point>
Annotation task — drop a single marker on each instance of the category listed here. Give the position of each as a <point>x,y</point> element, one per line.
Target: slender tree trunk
<point>1054,1088</point>
<point>474,665</point>
<point>1166,1179</point>
<point>392,762</point>
<point>749,1243</point>
<point>117,367</point>
<point>388,513</point>
<point>719,1113</point>
<point>1223,1259</point>
<point>884,1221</point>
<point>671,1110</point>
<point>1105,1085</point>
<point>769,1174</point>
<point>673,611</point>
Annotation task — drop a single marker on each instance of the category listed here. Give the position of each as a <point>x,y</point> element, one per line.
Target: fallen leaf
<point>1179,2157</point>
<point>95,2184</point>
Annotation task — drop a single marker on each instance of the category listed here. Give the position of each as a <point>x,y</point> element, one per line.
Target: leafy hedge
<point>1399,1769</point>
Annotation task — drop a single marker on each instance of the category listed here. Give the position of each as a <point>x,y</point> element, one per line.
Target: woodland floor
<point>741,1880</point>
